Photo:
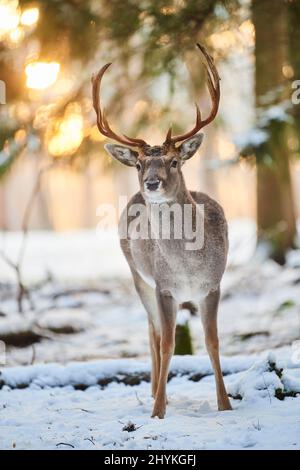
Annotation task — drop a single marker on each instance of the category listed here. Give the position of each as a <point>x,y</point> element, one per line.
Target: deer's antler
<point>102,122</point>
<point>213,83</point>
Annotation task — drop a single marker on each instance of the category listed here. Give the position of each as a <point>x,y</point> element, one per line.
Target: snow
<point>253,138</point>
<point>293,258</point>
<point>51,414</point>
<point>260,381</point>
<point>259,310</point>
<point>88,255</point>
<point>275,113</point>
<point>80,378</point>
<point>257,136</point>
<point>88,374</point>
<point>62,319</point>
<point>68,256</point>
<point>4,158</point>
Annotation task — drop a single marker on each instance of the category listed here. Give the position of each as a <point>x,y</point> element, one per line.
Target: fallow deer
<point>165,273</point>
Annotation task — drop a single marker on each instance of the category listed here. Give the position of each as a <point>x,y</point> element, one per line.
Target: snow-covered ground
<point>84,309</point>
<point>65,407</point>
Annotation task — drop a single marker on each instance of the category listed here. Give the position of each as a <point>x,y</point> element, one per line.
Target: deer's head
<point>159,166</point>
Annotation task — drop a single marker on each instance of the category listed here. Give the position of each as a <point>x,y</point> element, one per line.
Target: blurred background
<point>54,172</point>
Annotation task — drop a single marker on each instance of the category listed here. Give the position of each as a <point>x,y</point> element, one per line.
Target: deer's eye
<point>138,166</point>
<point>174,163</point>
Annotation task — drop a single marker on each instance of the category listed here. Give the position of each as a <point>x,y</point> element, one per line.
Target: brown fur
<point>163,271</point>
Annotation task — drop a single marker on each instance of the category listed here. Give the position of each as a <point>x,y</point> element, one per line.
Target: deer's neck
<point>189,219</point>
<point>183,196</point>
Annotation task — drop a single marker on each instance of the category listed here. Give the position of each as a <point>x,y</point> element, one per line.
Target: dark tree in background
<point>294,56</point>
<point>275,208</point>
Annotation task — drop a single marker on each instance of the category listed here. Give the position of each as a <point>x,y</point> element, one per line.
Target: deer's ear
<point>124,154</point>
<point>190,146</point>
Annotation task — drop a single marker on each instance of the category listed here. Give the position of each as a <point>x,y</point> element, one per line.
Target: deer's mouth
<point>153,185</point>
<point>154,191</point>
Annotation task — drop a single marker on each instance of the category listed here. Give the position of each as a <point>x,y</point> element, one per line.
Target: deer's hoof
<point>159,411</point>
<point>225,406</point>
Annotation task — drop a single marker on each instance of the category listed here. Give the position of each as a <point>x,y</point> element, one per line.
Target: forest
<point>74,349</point>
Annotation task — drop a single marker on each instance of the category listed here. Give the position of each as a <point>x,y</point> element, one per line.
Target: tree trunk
<point>183,340</point>
<point>294,50</point>
<point>275,208</point>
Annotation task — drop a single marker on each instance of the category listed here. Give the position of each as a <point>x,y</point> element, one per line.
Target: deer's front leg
<point>167,312</point>
<point>148,298</point>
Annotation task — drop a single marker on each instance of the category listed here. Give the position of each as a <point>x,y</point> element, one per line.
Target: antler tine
<point>169,136</point>
<point>129,140</point>
<point>139,142</point>
<point>102,122</point>
<point>198,115</point>
<point>213,84</point>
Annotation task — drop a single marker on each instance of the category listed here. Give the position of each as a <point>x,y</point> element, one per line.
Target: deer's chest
<point>182,273</point>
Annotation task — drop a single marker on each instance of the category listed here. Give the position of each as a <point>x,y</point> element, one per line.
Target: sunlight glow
<point>9,16</point>
<point>41,75</point>
<point>13,22</point>
<point>69,132</point>
<point>168,10</point>
<point>225,147</point>
<point>288,71</point>
<point>237,38</point>
<point>95,135</point>
<point>248,30</point>
<point>16,35</point>
<point>30,16</point>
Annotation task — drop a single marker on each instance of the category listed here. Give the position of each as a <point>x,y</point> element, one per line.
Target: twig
<point>138,398</point>
<point>89,439</point>
<point>257,426</point>
<point>79,290</point>
<point>130,426</point>
<point>33,355</point>
<point>65,444</point>
<point>22,290</point>
<point>16,266</point>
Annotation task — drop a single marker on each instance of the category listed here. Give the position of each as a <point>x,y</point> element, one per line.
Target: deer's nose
<point>152,184</point>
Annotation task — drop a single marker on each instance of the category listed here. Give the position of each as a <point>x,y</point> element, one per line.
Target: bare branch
<point>17,266</point>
